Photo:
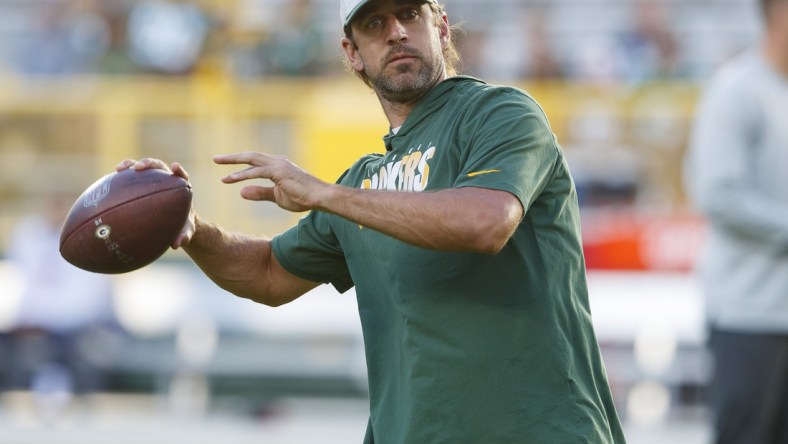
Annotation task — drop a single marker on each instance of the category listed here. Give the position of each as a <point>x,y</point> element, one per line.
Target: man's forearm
<point>462,219</point>
<point>231,260</point>
<point>243,265</point>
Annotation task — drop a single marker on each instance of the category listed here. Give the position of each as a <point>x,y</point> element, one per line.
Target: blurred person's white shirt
<point>56,296</point>
<point>166,36</point>
<point>737,172</point>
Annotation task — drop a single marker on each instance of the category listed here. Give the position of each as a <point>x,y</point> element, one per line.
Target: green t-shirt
<point>466,347</point>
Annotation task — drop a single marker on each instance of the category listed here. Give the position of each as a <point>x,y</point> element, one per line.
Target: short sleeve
<point>310,250</point>
<point>508,145</point>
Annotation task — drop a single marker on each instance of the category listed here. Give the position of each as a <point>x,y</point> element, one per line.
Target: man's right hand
<point>187,232</point>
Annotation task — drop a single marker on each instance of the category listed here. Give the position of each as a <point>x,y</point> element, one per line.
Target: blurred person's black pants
<point>748,391</point>
<point>31,350</point>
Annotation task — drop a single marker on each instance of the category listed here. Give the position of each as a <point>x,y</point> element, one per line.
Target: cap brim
<point>354,11</point>
<point>360,5</point>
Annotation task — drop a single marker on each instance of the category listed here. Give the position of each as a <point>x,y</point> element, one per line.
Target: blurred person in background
<point>529,53</point>
<point>295,46</point>
<point>737,173</point>
<point>167,36</point>
<point>462,241</point>
<point>646,49</point>
<point>66,38</point>
<point>649,50</point>
<point>55,343</point>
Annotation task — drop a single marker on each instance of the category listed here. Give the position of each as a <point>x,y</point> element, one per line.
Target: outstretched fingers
<point>258,193</point>
<point>255,172</point>
<point>247,157</point>
<point>293,188</point>
<point>260,166</point>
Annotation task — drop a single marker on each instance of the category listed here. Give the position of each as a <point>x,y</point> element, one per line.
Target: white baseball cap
<point>349,8</point>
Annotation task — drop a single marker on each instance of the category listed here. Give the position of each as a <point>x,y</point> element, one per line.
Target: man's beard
<point>397,88</point>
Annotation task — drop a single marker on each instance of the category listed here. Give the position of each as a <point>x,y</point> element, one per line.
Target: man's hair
<point>451,56</point>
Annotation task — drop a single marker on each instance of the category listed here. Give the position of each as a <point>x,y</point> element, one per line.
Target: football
<point>125,220</point>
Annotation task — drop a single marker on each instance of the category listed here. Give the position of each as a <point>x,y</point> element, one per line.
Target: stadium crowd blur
<point>607,41</point>
<point>618,44</point>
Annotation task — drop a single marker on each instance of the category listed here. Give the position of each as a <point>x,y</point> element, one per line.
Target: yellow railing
<point>63,134</point>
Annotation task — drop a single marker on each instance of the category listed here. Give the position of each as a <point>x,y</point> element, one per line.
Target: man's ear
<point>351,52</point>
<point>444,30</point>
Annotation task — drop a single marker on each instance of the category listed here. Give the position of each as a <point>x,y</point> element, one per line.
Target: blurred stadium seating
<point>66,122</point>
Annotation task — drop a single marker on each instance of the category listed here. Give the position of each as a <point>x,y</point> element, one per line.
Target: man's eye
<point>374,23</point>
<point>410,14</point>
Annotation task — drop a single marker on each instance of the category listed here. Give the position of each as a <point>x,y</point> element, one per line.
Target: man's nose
<point>396,31</point>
